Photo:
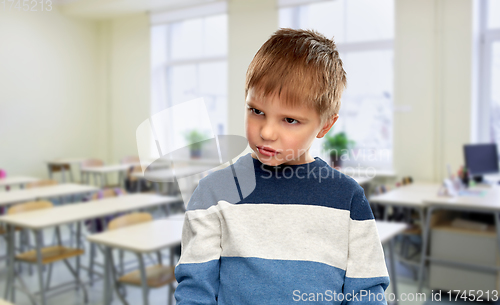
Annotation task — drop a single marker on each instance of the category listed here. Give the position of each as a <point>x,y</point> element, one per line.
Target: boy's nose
<point>268,132</point>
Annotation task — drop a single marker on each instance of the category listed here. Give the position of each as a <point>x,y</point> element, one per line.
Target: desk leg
<point>63,174</point>
<point>138,186</point>
<point>144,283</point>
<point>38,241</point>
<point>386,212</point>
<point>50,171</point>
<point>497,225</point>
<point>393,271</point>
<point>425,238</point>
<point>78,245</point>
<point>92,254</point>
<point>9,283</point>
<point>107,285</point>
<point>171,286</point>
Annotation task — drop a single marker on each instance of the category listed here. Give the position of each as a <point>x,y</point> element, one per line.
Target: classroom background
<point>93,190</point>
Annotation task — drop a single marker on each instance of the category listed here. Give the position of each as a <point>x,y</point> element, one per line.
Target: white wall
<point>48,99</point>
<point>433,86</point>
<point>70,87</point>
<point>250,24</point>
<point>129,81</point>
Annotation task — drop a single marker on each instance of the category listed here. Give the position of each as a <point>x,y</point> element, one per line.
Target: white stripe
<point>366,255</point>
<point>201,236</point>
<point>273,231</point>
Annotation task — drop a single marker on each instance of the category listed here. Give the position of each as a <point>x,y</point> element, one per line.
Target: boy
<point>278,226</point>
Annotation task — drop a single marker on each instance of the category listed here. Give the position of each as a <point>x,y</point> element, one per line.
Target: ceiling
<point>104,9</point>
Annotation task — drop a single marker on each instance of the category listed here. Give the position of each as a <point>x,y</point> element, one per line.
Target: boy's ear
<point>327,126</point>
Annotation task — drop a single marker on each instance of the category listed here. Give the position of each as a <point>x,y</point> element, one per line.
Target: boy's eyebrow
<point>286,115</point>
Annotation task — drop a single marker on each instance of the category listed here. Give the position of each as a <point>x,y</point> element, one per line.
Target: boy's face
<point>290,132</point>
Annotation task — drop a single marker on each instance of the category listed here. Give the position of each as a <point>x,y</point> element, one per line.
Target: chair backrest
<point>59,167</point>
<point>30,206</point>
<point>128,220</point>
<point>92,163</point>
<point>109,192</point>
<point>41,183</point>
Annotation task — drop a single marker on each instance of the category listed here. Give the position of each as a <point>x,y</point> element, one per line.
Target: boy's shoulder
<point>221,184</point>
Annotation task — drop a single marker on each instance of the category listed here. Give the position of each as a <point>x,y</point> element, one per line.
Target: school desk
<point>488,202</point>
<point>16,180</point>
<point>140,239</point>
<point>75,213</point>
<point>52,191</point>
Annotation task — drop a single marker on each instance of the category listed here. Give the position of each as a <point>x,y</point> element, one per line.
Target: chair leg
<point>49,275</point>
<point>170,294</point>
<point>22,246</point>
<point>144,284</point>
<point>122,264</point>
<point>116,284</point>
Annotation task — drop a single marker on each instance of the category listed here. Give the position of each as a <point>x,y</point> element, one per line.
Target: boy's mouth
<point>267,150</point>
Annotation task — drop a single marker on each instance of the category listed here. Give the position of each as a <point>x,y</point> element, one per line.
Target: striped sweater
<point>259,234</point>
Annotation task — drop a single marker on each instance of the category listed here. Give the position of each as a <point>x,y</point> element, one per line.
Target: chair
<point>97,225</point>
<point>130,181</point>
<point>108,192</point>
<point>157,275</point>
<point>49,254</point>
<point>63,168</point>
<point>92,163</point>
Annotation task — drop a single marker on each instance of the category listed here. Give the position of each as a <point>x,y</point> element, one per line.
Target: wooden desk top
<point>145,237</point>
<point>81,211</point>
<point>65,189</point>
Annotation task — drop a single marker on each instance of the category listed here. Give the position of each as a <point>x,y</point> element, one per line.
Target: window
<point>489,110</point>
<point>363,31</point>
<point>189,61</point>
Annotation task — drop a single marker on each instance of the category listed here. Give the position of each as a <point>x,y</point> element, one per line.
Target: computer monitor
<point>481,159</point>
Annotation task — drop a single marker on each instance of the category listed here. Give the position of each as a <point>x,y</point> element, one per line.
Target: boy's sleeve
<point>366,277</point>
<point>198,269</point>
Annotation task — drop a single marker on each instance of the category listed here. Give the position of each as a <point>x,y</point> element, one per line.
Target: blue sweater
<point>258,234</point>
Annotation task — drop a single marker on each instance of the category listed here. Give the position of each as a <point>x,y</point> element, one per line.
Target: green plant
<point>337,144</point>
<point>194,138</point>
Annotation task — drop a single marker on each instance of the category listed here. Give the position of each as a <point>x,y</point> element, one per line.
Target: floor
<point>406,284</point>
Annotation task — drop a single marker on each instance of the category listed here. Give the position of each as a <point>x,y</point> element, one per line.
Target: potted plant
<point>195,138</point>
<point>337,146</point>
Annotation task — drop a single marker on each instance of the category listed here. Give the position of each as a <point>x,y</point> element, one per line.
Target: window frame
<point>486,40</point>
<point>351,47</point>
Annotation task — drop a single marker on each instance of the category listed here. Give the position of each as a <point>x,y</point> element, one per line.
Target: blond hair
<point>303,67</point>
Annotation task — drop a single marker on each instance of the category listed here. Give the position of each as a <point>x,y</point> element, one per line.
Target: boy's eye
<point>256,111</point>
<point>288,120</point>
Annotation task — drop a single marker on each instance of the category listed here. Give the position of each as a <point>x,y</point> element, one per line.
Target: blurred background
<point>78,77</point>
